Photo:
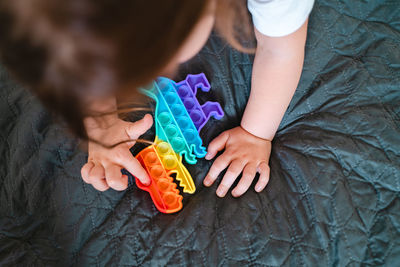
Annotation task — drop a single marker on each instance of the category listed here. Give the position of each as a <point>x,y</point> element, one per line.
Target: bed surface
<point>332,200</point>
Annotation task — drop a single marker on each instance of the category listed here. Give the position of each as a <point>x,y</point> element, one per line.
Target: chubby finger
<point>230,176</point>
<point>216,145</point>
<point>137,128</point>
<point>264,171</point>
<point>126,160</point>
<point>249,172</point>
<point>100,184</point>
<point>97,172</point>
<point>97,177</point>
<point>86,170</point>
<point>114,177</point>
<point>220,164</point>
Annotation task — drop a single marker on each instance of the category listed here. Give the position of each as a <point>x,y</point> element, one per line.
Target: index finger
<point>132,165</point>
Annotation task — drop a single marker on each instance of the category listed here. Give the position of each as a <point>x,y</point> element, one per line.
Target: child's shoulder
<point>279,17</point>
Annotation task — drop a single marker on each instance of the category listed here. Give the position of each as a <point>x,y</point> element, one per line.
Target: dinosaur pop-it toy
<point>178,120</point>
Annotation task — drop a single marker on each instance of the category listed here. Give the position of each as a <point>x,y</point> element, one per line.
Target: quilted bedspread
<point>334,194</point>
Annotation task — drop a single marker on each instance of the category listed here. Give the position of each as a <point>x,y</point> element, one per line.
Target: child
<point>79,55</point>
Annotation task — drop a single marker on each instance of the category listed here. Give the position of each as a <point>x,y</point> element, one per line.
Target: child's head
<point>71,52</point>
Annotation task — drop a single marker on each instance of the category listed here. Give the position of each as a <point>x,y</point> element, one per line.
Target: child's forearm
<point>276,72</point>
<point>273,85</point>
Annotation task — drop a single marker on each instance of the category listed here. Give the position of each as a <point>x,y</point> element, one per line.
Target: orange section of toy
<point>162,188</point>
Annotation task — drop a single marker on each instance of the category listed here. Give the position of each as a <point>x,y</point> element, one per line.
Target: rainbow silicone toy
<point>178,120</point>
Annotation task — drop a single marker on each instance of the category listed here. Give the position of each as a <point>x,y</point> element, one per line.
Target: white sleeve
<point>277,18</point>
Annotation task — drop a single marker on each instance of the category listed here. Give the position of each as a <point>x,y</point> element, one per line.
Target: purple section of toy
<point>200,114</point>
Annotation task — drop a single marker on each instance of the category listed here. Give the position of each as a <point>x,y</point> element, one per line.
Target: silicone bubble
<point>166,86</point>
<point>151,158</point>
<point>178,144</point>
<point>169,162</point>
<point>164,118</point>
<point>189,103</point>
<point>178,110</point>
<point>169,199</point>
<point>196,116</point>
<point>163,184</point>
<point>157,172</point>
<point>190,135</point>
<point>183,91</point>
<point>163,148</point>
<point>162,84</point>
<point>183,123</point>
<point>170,87</point>
<point>171,130</point>
<point>171,98</point>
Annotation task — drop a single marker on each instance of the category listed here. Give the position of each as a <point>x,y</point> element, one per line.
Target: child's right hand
<point>103,169</point>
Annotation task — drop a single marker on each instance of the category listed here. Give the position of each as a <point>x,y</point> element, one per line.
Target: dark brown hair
<point>65,51</point>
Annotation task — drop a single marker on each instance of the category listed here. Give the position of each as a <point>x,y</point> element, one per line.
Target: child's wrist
<point>101,113</point>
<point>96,126</point>
<point>266,138</point>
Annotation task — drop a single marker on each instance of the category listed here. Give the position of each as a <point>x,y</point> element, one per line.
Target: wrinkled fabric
<point>332,200</point>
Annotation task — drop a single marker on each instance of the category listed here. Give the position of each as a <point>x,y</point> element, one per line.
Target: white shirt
<point>277,18</point>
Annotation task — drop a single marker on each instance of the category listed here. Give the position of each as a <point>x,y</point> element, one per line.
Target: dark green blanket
<point>333,198</point>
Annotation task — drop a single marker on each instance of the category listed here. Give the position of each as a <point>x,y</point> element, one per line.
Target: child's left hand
<point>245,153</point>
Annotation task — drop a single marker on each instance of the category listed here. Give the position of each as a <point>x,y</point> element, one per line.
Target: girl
<point>80,56</point>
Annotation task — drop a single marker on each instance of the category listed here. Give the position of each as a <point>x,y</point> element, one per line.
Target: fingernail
<point>220,192</point>
<point>208,156</point>
<point>258,188</point>
<point>208,180</point>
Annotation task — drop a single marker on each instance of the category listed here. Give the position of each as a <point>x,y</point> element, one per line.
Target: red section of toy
<point>162,188</point>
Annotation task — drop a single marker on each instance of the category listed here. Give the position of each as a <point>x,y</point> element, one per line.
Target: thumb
<point>137,128</point>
